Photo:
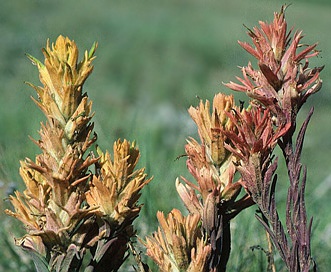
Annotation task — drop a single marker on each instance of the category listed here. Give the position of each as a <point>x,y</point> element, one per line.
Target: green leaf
<point>34,60</point>
<point>38,260</point>
<point>92,50</point>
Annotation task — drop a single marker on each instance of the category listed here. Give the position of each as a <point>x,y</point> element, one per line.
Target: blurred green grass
<point>154,59</point>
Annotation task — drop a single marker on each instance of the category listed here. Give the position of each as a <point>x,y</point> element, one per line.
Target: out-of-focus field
<point>154,59</point>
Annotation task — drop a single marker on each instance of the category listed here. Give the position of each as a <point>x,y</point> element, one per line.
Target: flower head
<point>62,98</point>
<point>253,143</point>
<point>66,209</point>
<point>212,166</point>
<point>52,205</point>
<point>210,125</point>
<point>283,82</point>
<point>209,161</point>
<point>178,244</point>
<point>115,192</point>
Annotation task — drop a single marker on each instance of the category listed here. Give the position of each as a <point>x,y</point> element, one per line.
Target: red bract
<point>252,143</point>
<point>283,83</point>
<point>255,133</point>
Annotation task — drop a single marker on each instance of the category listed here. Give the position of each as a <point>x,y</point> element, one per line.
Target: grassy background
<point>154,58</point>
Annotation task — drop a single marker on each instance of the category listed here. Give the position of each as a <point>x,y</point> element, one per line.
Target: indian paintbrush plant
<point>79,205</point>
<point>236,153</point>
<point>68,208</point>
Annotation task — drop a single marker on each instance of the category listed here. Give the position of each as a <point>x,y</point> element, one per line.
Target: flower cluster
<point>283,83</point>
<point>70,208</point>
<point>209,162</point>
<point>253,144</point>
<point>278,88</point>
<point>212,200</point>
<point>116,190</point>
<point>236,150</point>
<point>66,208</point>
<point>178,244</point>
<point>52,205</point>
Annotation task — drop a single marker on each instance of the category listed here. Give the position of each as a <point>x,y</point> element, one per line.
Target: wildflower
<point>209,161</point>
<point>62,97</point>
<point>66,209</point>
<point>212,166</point>
<point>209,126</point>
<point>283,82</point>
<point>116,190</point>
<point>253,143</point>
<point>52,204</point>
<point>178,244</point>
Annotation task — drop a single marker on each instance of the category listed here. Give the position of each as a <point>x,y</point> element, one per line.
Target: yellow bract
<point>178,244</point>
<point>116,190</point>
<point>66,209</point>
<point>210,125</point>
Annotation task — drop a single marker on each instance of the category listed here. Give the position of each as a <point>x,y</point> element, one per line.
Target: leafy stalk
<point>281,86</point>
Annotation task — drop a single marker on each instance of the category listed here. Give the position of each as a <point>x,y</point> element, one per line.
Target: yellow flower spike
<point>178,243</point>
<point>53,205</point>
<point>211,124</point>
<point>116,191</point>
<point>67,209</point>
<point>63,77</point>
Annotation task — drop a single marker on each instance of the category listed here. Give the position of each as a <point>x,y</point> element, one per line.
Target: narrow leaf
<point>38,260</point>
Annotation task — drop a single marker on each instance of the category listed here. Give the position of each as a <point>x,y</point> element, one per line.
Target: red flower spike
<point>282,84</point>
